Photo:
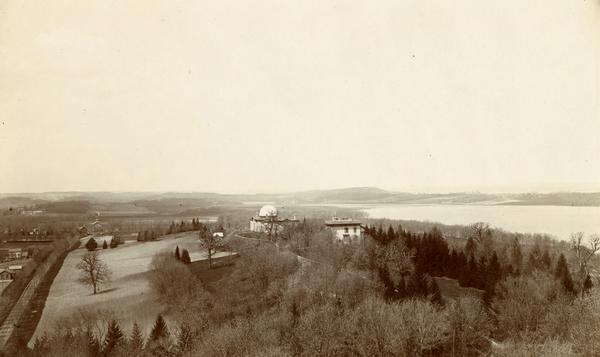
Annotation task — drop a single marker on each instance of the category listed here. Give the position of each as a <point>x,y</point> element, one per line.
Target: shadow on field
<point>106,291</point>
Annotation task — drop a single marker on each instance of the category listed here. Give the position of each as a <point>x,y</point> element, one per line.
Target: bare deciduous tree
<point>398,259</point>
<point>210,241</point>
<point>480,231</point>
<point>94,271</point>
<point>584,253</point>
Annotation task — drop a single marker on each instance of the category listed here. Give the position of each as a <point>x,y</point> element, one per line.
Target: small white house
<point>346,230</point>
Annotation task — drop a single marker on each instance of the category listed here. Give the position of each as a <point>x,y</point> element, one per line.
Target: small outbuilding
<point>6,274</point>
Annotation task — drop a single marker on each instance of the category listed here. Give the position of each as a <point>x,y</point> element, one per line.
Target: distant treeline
<point>66,206</point>
<point>558,199</point>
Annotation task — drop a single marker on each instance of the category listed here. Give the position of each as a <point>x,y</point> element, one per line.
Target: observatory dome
<point>268,211</point>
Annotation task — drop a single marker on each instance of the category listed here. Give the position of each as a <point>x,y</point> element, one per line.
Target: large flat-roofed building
<point>346,230</point>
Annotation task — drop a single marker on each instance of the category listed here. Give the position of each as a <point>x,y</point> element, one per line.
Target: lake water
<point>559,221</point>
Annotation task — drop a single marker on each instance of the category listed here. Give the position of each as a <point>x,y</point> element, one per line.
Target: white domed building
<point>268,220</point>
<point>267,211</point>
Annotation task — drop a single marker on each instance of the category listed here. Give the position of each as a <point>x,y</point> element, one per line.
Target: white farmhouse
<point>346,230</point>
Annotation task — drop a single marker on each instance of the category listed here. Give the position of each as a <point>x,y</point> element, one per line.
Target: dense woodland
<point>307,296</point>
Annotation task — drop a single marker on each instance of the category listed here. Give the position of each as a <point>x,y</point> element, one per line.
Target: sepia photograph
<point>300,178</point>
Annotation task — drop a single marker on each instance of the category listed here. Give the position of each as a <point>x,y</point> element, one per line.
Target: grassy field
<point>451,290</point>
<point>128,296</point>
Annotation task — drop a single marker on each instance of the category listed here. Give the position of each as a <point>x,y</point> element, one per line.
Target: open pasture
<point>128,296</point>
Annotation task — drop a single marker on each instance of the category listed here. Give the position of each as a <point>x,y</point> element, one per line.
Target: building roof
<point>11,250</point>
<point>268,211</point>
<point>342,222</point>
<point>273,220</point>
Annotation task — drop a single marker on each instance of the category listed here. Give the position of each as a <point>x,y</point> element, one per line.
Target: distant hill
<point>177,202</point>
<point>557,199</point>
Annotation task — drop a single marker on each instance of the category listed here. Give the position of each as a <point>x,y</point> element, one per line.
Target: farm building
<point>97,227</point>
<point>345,230</point>
<point>7,254</point>
<point>7,274</point>
<point>83,231</point>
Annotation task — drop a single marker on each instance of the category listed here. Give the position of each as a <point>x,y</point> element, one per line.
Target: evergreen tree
<point>508,271</point>
<point>561,266</point>
<point>379,235</point>
<point>516,256</point>
<point>295,312</point>
<point>452,269</point>
<point>185,338</point>
<point>435,295</point>
<point>391,235</point>
<point>470,247</point>
<point>185,257</point>
<point>488,294</point>
<point>493,274</point>
<point>564,275</point>
<point>401,289</point>
<point>482,273</point>
<point>494,270</point>
<point>587,285</point>
<point>41,346</point>
<point>461,265</point>
<point>177,255</point>
<point>546,261</point>
<point>388,283</point>
<point>114,337</point>
<point>417,284</point>
<point>534,259</point>
<point>93,344</point>
<point>104,245</point>
<point>159,330</point>
<point>91,244</point>
<point>470,274</point>
<point>136,340</point>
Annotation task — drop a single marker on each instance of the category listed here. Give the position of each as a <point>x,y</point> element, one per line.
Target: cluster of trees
<point>147,236</point>
<point>91,244</point>
<point>184,256</point>
<point>184,226</point>
<point>113,341</point>
<point>476,265</point>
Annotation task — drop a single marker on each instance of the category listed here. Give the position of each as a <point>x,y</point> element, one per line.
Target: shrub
<point>185,256</point>
<point>91,244</point>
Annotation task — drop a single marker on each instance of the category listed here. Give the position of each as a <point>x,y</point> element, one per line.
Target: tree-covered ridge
<point>378,297</point>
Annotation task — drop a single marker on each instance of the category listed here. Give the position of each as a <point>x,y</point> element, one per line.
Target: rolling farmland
<point>128,296</point>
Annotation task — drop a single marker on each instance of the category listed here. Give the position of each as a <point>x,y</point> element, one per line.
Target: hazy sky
<point>258,96</point>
